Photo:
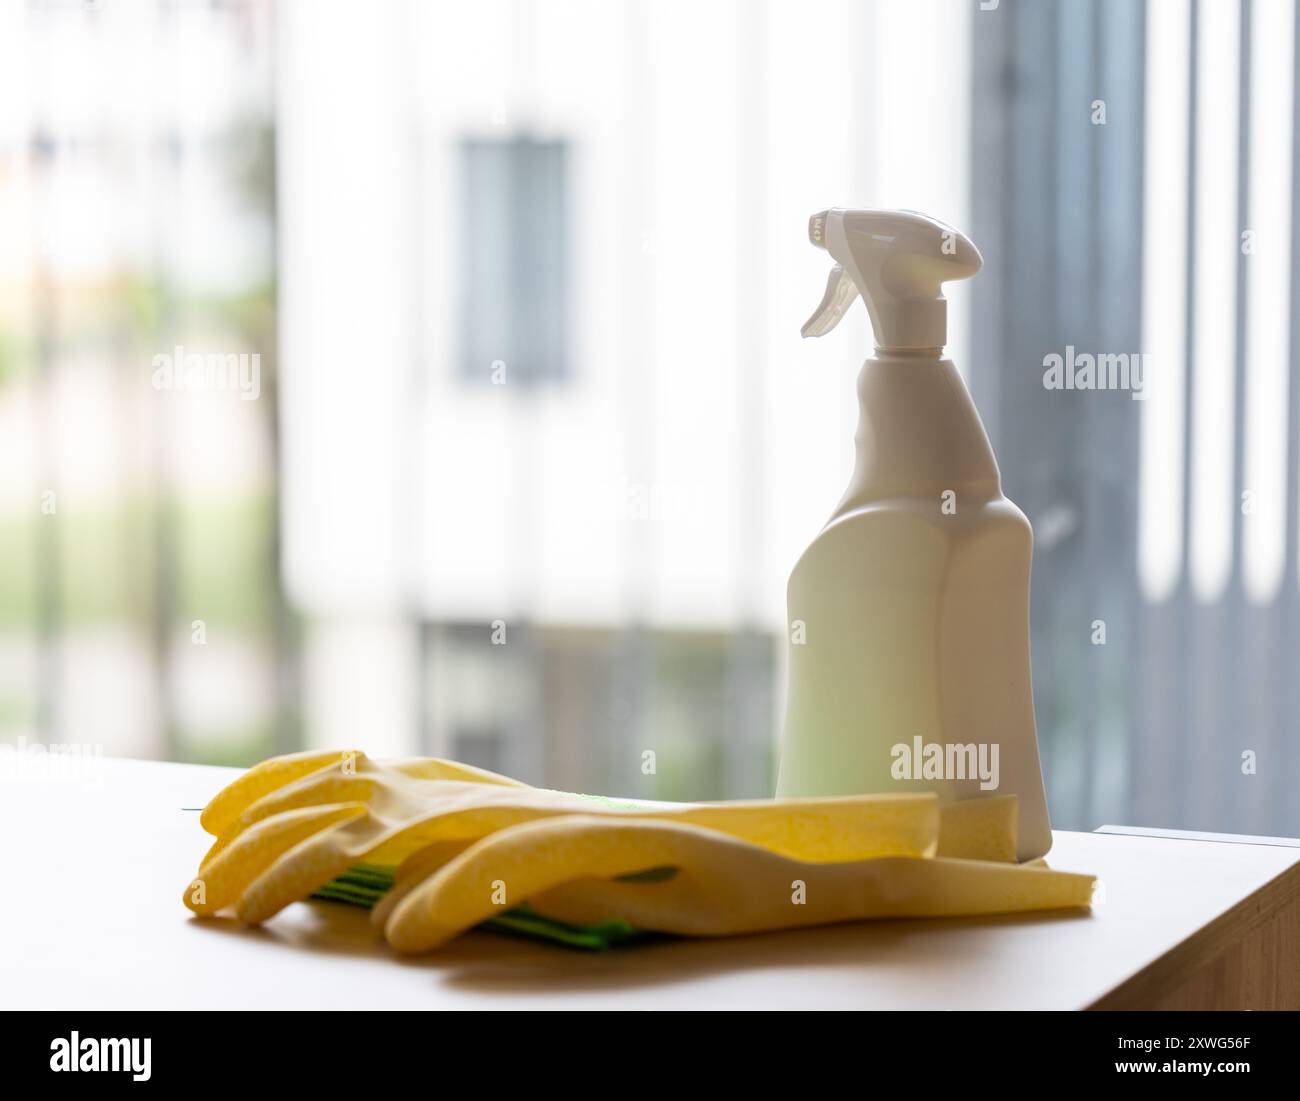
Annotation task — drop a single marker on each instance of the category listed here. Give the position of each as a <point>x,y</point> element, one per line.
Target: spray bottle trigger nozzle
<point>841,293</point>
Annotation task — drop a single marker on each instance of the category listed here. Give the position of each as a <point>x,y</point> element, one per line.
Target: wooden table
<point>97,864</point>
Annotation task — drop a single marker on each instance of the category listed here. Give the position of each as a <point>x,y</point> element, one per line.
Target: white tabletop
<point>93,919</point>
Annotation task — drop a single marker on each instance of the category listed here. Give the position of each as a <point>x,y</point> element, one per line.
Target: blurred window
<point>513,260</point>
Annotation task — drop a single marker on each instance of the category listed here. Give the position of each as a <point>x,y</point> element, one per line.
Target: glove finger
<point>415,871</point>
<point>230,802</point>
<point>511,865</point>
<point>224,878</point>
<point>390,793</point>
<point>295,875</point>
<point>321,789</point>
<point>397,826</point>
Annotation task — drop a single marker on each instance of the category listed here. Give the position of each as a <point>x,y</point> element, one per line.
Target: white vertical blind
<point>1268,288</point>
<point>1214,308</point>
<point>1164,289</point>
<point>1219,242</point>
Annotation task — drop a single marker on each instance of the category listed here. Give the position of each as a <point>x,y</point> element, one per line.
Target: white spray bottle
<point>909,613</point>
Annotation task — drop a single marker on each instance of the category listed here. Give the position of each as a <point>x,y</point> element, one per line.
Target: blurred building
<point>544,267</point>
<point>535,441</point>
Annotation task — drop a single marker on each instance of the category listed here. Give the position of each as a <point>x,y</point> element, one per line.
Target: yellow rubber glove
<point>696,881</point>
<point>293,824</point>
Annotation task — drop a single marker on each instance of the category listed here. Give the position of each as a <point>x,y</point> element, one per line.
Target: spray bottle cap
<point>897,260</point>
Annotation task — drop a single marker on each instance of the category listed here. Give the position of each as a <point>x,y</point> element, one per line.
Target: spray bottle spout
<point>898,261</point>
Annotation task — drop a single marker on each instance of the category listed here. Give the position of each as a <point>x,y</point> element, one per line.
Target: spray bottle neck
<point>919,435</point>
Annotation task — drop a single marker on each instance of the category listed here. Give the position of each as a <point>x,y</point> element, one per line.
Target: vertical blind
<point>1165,587</point>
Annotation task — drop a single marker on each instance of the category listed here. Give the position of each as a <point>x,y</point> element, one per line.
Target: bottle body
<point>909,663</point>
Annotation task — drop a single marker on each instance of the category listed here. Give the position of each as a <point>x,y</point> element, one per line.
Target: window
<point>513,260</point>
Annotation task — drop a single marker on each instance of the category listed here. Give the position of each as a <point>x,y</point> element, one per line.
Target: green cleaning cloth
<point>365,884</point>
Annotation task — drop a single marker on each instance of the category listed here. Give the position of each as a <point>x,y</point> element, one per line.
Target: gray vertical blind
<point>1150,726</point>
